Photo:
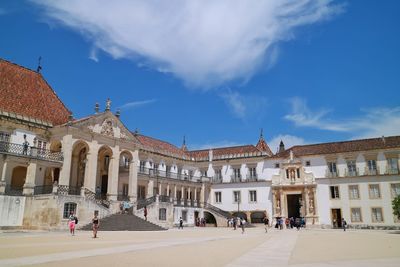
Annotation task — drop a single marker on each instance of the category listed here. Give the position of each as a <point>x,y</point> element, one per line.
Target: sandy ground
<point>197,247</point>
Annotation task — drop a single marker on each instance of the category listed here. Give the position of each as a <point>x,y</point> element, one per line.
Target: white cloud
<point>288,140</point>
<point>93,54</point>
<point>135,104</point>
<point>244,106</point>
<point>203,42</point>
<point>374,122</point>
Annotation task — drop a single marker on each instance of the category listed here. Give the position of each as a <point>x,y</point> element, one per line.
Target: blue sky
<point>217,72</point>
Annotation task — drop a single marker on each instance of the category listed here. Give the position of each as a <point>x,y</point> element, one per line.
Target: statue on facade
<point>107,128</point>
<point>108,104</point>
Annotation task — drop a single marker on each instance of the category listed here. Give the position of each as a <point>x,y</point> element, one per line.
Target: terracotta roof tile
<point>160,146</point>
<point>227,152</point>
<point>343,147</point>
<point>25,92</point>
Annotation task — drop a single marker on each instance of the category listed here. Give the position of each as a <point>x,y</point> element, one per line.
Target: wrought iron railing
<point>251,178</point>
<point>236,179</point>
<point>351,172</point>
<point>43,190</point>
<point>163,198</point>
<point>123,198</point>
<point>141,203</point>
<point>216,180</point>
<point>28,151</point>
<point>223,213</point>
<point>332,174</point>
<point>13,190</point>
<point>98,199</point>
<point>392,171</point>
<point>168,174</point>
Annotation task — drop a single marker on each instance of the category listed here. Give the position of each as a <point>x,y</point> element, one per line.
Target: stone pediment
<point>106,124</point>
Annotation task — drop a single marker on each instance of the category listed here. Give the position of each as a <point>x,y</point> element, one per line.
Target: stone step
<point>124,222</point>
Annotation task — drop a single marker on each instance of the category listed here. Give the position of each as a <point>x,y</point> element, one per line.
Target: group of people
<point>200,222</point>
<point>73,221</point>
<point>237,222</point>
<point>290,223</point>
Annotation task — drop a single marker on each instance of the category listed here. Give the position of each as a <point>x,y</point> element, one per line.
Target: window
<point>190,174</point>
<point>106,162</point>
<point>332,167</point>
<point>374,191</point>
<point>41,145</point>
<point>356,215</point>
<point>4,137</point>
<point>277,165</point>
<point>125,188</point>
<point>218,197</point>
<point>392,165</point>
<point>69,207</point>
<point>141,192</point>
<point>142,166</point>
<point>253,195</point>
<point>252,172</point>
<point>184,215</point>
<point>354,193</point>
<point>236,172</point>
<point>218,174</point>
<point>395,190</point>
<point>351,167</point>
<point>204,173</point>
<point>334,192</point>
<point>236,196</point>
<point>377,215</point>
<point>371,165</point>
<point>162,214</point>
<point>308,163</point>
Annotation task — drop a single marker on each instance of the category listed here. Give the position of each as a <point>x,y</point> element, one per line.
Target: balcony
<point>392,171</point>
<point>170,175</point>
<point>251,178</point>
<point>236,179</point>
<point>216,180</point>
<point>332,174</point>
<point>30,152</point>
<point>351,172</point>
<point>370,172</point>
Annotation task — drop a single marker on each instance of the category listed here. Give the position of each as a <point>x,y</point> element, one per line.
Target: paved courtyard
<point>202,247</point>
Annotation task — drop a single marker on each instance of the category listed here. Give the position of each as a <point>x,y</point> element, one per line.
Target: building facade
<point>52,164</point>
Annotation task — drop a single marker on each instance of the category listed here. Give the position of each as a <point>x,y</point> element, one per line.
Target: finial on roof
<point>39,67</point>
<point>261,134</point>
<point>118,113</point>
<point>184,148</point>
<point>96,107</point>
<point>136,132</point>
<point>281,147</point>
<point>108,104</point>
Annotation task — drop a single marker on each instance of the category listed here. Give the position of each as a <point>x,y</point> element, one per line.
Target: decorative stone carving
<point>107,128</point>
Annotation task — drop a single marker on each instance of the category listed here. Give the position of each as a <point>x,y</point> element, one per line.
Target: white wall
<point>11,210</point>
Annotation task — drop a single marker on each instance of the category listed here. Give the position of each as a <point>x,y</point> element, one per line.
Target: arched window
<point>69,207</point>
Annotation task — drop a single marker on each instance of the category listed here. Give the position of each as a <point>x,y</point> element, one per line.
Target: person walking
<point>71,223</point>
<point>234,221</point>
<point>95,225</point>
<point>266,223</point>
<point>344,224</point>
<point>242,223</point>
<point>145,213</point>
<point>180,223</point>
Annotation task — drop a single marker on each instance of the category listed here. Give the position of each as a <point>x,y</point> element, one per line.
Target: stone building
<point>52,164</point>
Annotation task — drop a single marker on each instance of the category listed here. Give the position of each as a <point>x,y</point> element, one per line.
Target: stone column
<point>195,197</point>
<point>30,178</point>
<point>65,171</point>
<point>3,178</point>
<point>281,199</point>
<point>133,177</point>
<point>91,167</point>
<point>175,194</point>
<point>315,201</point>
<point>307,201</point>
<point>168,194</point>
<point>159,189</point>
<point>113,173</point>
<point>202,194</point>
<point>150,189</point>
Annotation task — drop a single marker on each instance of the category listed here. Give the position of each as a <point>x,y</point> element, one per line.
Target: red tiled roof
<point>25,92</point>
<point>160,146</point>
<point>262,146</point>
<point>234,151</point>
<point>344,146</point>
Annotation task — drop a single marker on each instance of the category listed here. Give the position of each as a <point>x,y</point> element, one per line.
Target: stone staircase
<point>124,222</point>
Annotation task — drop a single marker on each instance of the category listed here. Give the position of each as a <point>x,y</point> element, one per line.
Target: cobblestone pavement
<point>203,247</point>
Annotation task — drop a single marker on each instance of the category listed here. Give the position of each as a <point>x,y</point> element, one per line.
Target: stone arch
<point>210,218</point>
<point>80,150</point>
<point>257,216</point>
<point>18,177</point>
<point>103,163</point>
<point>240,214</point>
